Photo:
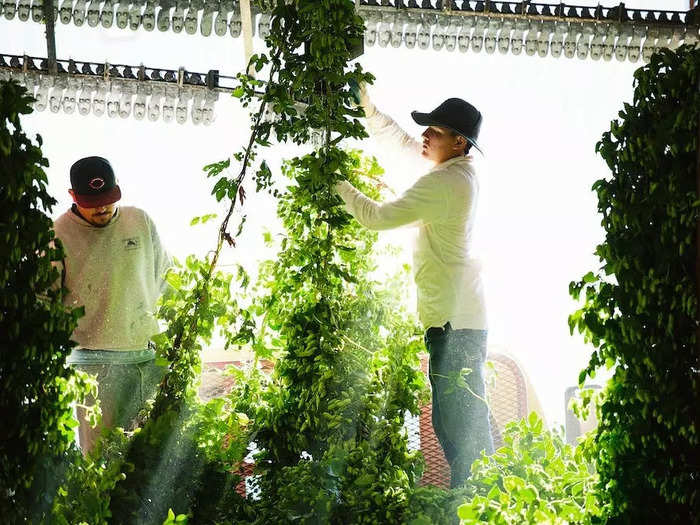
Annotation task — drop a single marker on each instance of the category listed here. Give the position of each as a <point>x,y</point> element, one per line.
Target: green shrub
<point>36,388</point>
<point>640,313</point>
<point>534,478</point>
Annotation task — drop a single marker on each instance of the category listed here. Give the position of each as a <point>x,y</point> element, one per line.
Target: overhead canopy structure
<point>519,28</point>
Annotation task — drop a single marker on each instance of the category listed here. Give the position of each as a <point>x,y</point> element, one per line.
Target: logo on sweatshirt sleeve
<point>132,243</point>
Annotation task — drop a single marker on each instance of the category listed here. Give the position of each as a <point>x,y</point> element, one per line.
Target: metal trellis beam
<point>118,90</point>
<point>524,27</point>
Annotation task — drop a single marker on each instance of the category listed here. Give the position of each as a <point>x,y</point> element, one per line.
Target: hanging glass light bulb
<point>634,45</point>
<point>66,11</point>
<point>143,90</point>
<point>384,29</point>
<point>148,19</point>
<point>649,44</point>
<point>221,20</point>
<point>127,90</point>
<point>113,96</point>
<point>664,38</point>
<point>264,25</point>
<point>575,30</point>
<point>516,40</point>
<point>477,40</point>
<point>107,15</point>
<point>9,9</point>
<point>79,12</point>
<point>37,11</point>
<point>599,34</point>
<point>397,29</point>
<point>191,17</point>
<point>531,38</point>
<point>210,99</point>
<point>135,14</point>
<point>557,45</point>
<point>451,35</point>
<point>31,81</point>
<point>691,37</point>
<point>171,93</point>
<point>423,36</point>
<point>56,94</point>
<point>583,44</point>
<point>42,96</point>
<point>410,32</point>
<point>99,100</point>
<point>491,36</point>
<point>440,32</point>
<point>178,19</point>
<point>546,31</point>
<point>154,103</point>
<point>234,25</point>
<point>207,23</point>
<point>93,13</point>
<point>197,110</point>
<point>504,36</point>
<point>677,38</point>
<point>424,29</point>
<point>69,101</point>
<point>163,16</point>
<point>85,95</point>
<point>371,20</point>
<point>609,42</point>
<point>122,14</point>
<point>622,42</point>
<point>184,97</point>
<point>23,10</point>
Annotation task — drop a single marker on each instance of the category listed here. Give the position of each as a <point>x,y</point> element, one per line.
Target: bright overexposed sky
<point>538,223</point>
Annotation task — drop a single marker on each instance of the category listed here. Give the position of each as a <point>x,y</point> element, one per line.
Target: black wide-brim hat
<point>455,114</point>
<point>93,182</point>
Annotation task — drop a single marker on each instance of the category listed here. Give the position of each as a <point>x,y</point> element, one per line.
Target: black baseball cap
<point>93,182</point>
<point>455,114</point>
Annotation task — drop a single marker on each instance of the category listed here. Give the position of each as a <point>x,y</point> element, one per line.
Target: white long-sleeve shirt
<point>116,272</point>
<point>442,205</point>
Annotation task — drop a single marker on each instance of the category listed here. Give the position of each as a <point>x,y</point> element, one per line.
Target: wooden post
<point>50,36</point>
<point>247,31</point>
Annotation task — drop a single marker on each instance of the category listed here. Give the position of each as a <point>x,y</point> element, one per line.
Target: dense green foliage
<point>640,312</point>
<point>36,389</point>
<point>328,423</point>
<point>534,478</point>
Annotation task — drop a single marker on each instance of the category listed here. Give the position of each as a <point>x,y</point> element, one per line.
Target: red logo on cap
<point>97,183</point>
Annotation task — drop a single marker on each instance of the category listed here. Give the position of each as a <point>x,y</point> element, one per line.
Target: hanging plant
<point>640,311</point>
<point>36,388</point>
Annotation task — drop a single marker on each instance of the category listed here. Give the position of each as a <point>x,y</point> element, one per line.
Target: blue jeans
<point>460,413</point>
<point>123,387</point>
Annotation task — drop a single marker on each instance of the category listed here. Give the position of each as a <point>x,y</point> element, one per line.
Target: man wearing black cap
<point>442,205</point>
<point>113,266</point>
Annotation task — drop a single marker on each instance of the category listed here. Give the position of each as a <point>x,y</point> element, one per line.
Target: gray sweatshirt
<point>116,272</point>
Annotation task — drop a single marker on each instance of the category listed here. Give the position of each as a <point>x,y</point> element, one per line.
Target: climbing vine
<point>640,311</point>
<point>36,389</point>
<point>328,423</point>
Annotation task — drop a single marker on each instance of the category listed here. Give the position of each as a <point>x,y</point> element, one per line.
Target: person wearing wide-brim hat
<point>442,205</point>
<point>113,266</point>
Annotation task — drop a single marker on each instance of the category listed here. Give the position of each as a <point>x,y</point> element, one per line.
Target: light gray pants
<point>123,388</point>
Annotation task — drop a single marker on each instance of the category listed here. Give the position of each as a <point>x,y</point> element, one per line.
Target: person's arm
<point>161,258</point>
<point>425,202</point>
<point>386,131</point>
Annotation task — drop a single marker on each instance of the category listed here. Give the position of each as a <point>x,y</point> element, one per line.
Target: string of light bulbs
<point>118,91</point>
<point>466,25</point>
